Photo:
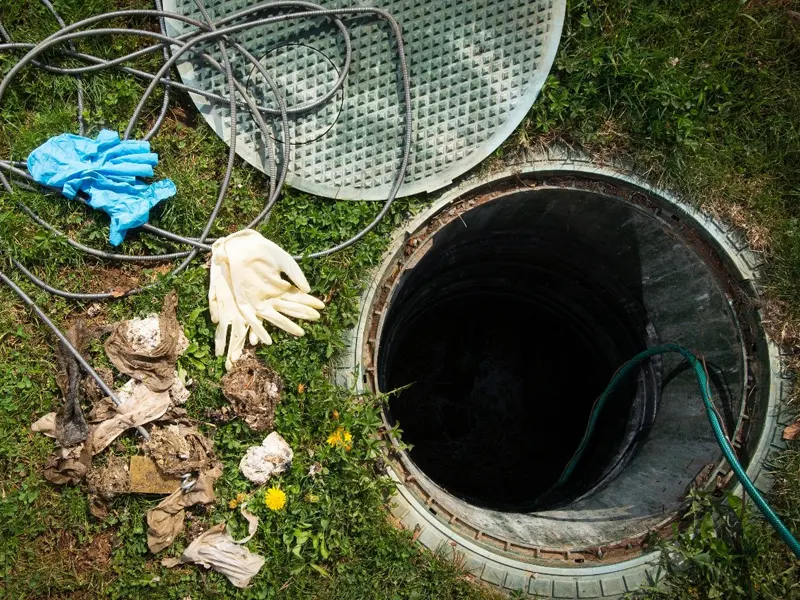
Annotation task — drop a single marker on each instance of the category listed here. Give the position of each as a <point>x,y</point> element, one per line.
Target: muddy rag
<point>216,549</point>
<point>165,521</point>
<point>155,366</point>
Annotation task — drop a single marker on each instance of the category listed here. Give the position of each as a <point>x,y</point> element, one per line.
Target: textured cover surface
<point>476,68</point>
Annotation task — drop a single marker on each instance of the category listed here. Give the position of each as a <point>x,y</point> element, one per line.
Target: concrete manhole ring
<point>509,303</point>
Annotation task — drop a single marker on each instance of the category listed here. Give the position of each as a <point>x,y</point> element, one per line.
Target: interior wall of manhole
<point>506,314</point>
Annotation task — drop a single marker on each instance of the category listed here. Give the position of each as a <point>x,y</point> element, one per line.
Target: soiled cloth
<point>165,521</point>
<point>147,353</point>
<point>216,549</point>
<point>68,465</point>
<point>179,449</point>
<point>140,405</point>
<point>45,425</point>
<point>71,426</point>
<point>272,457</point>
<point>106,170</point>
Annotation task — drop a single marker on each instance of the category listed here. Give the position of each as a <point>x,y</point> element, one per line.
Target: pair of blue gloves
<point>106,170</point>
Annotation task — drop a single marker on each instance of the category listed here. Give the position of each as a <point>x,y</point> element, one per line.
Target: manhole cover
<point>476,68</point>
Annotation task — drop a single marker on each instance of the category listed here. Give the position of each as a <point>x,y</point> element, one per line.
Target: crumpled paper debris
<point>254,390</point>
<point>71,425</point>
<point>272,457</point>
<point>147,349</point>
<point>179,449</point>
<point>216,549</point>
<point>45,425</point>
<point>68,465</point>
<point>165,521</point>
<point>140,405</point>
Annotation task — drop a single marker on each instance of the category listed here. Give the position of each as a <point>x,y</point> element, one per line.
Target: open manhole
<point>501,313</point>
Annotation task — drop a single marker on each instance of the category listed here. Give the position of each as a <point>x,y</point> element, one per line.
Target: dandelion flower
<point>341,438</point>
<point>275,499</point>
<point>232,503</point>
<point>335,438</point>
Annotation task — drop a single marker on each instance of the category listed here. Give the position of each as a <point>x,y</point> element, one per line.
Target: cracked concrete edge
<point>612,581</point>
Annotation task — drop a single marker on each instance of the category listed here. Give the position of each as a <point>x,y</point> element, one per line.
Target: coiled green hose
<point>716,426</point>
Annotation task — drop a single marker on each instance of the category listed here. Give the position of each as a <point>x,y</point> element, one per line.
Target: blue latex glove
<point>106,170</point>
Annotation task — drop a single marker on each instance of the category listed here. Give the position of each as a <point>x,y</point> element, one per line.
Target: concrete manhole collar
<point>509,304</point>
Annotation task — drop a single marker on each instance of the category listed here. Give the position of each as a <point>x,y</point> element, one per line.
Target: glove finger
<point>220,337</point>
<point>277,319</point>
<point>253,338</point>
<point>236,345</point>
<point>301,298</point>
<point>256,327</point>
<point>295,309</point>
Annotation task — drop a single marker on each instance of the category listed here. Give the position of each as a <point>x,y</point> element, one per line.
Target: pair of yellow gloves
<point>246,288</point>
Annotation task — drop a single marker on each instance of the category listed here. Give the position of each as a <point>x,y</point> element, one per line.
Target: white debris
<point>178,392</point>
<point>216,549</point>
<point>140,405</point>
<point>272,457</point>
<point>144,335</point>
<point>46,425</point>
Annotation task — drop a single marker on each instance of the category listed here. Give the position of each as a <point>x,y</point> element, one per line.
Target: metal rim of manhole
<point>599,541</point>
<point>476,69</point>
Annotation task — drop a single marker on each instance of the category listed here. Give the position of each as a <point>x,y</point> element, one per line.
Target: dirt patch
<point>91,390</point>
<point>116,280</point>
<point>254,390</point>
<point>97,553</point>
<point>63,552</point>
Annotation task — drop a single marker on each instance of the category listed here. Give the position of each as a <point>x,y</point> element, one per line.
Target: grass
<point>703,98</point>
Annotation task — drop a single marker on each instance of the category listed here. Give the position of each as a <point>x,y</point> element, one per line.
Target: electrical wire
<point>697,364</point>
<point>220,32</point>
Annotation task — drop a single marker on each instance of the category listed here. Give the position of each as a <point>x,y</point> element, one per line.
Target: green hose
<point>716,426</point>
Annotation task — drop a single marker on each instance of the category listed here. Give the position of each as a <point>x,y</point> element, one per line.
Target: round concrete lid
<point>476,68</point>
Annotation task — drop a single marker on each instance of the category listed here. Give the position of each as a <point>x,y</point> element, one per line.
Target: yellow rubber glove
<point>246,289</point>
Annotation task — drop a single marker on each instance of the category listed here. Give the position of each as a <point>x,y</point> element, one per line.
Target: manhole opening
<point>503,335</point>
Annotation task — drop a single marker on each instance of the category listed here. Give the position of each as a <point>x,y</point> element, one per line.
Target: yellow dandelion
<point>336,414</point>
<point>233,504</point>
<point>335,438</point>
<point>341,438</point>
<point>275,499</point>
<point>301,388</point>
<point>240,497</point>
